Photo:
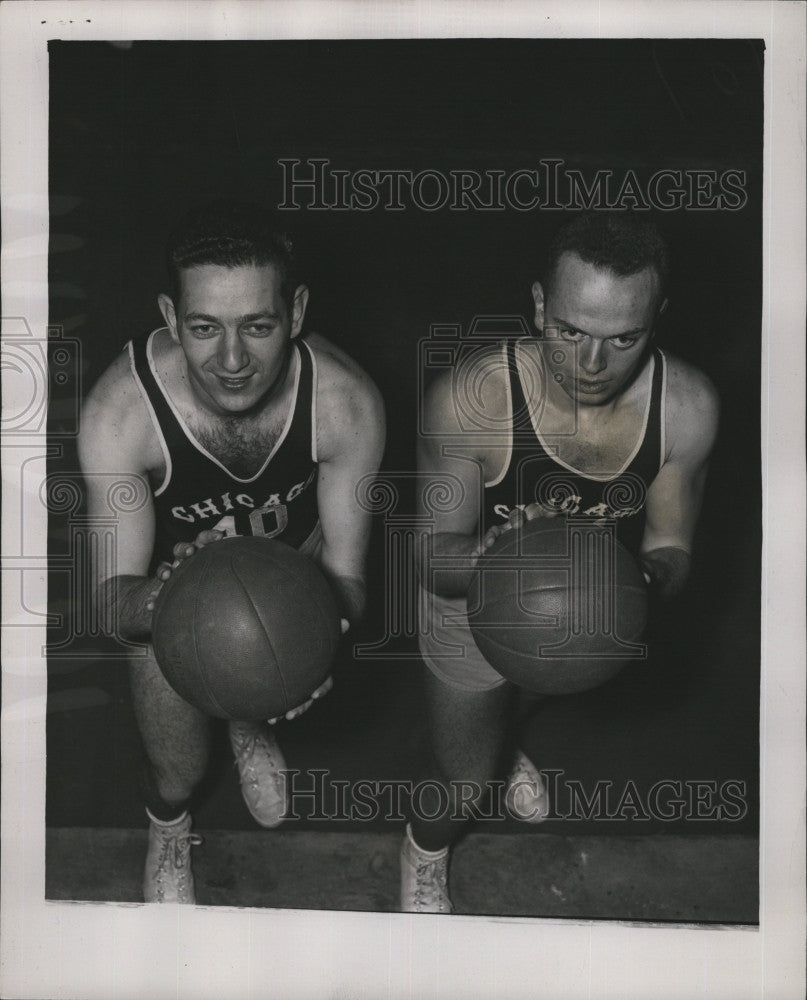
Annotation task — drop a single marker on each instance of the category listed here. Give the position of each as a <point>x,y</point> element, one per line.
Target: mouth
<point>592,388</point>
<point>233,384</point>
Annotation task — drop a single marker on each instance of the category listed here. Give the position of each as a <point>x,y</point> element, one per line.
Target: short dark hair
<point>231,234</point>
<point>623,242</point>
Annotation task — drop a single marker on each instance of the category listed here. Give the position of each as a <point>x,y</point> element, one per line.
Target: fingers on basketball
<point>320,692</point>
<point>208,536</point>
<point>184,550</point>
<point>162,573</point>
<point>534,510</point>
<point>324,688</point>
<point>517,518</point>
<point>164,570</point>
<point>491,535</point>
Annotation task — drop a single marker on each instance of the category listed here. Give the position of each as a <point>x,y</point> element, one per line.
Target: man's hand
<point>666,570</point>
<point>517,519</point>
<point>182,551</point>
<point>321,691</point>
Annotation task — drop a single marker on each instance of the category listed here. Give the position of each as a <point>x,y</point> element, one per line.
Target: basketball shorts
<point>447,645</point>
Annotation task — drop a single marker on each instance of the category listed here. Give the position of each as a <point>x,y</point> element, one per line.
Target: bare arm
<point>110,448</point>
<point>450,464</point>
<point>675,496</point>
<point>116,446</point>
<point>350,436</point>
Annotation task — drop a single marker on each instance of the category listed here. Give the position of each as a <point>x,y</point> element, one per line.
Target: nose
<point>592,357</point>
<point>232,356</point>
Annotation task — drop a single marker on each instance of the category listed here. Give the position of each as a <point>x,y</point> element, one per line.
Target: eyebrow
<point>570,326</point>
<point>249,318</point>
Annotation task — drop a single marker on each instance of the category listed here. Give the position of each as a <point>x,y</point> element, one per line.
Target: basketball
<point>246,628</point>
<point>558,606</point>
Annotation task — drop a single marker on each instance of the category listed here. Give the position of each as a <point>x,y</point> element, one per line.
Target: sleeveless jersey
<point>533,474</point>
<point>198,492</point>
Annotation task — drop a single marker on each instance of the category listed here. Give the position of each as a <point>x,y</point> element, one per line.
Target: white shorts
<point>447,644</point>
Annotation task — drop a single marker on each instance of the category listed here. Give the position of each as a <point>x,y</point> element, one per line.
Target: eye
<point>203,330</point>
<point>623,342</point>
<point>258,329</point>
<point>574,335</point>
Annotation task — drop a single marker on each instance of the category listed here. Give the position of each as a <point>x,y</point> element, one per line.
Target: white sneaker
<point>526,795</point>
<point>168,877</point>
<point>424,879</point>
<point>261,768</point>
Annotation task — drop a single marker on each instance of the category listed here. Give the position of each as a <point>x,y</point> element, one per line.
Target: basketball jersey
<point>533,474</point>
<point>198,492</point>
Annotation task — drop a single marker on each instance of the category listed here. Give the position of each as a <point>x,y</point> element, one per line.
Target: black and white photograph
<point>396,499</point>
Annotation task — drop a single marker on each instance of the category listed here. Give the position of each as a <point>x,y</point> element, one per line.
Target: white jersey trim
<point>663,414</point>
<point>163,445</point>
<point>198,445</point>
<point>314,375</point>
<point>603,477</point>
<point>509,455</point>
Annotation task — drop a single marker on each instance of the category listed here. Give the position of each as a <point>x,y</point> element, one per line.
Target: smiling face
<point>602,323</point>
<point>235,330</point>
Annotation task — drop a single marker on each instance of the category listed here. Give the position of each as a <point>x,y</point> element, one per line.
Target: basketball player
<point>600,424</point>
<point>230,424</point>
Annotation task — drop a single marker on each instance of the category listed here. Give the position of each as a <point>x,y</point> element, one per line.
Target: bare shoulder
<point>342,384</point>
<point>693,407</point>
<point>474,391</point>
<point>349,405</point>
<point>115,426</point>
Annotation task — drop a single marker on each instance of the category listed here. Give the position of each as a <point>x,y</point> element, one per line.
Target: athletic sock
<point>156,806</point>
<point>440,853</point>
<point>166,822</point>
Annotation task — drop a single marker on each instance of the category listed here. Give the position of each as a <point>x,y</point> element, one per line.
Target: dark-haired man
<point>599,424</point>
<point>238,426</point>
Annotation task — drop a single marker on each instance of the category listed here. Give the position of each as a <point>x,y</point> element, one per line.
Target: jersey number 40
<point>265,521</point>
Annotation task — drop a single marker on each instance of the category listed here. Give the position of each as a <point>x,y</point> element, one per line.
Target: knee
<point>177,784</point>
<point>457,768</point>
<point>455,791</point>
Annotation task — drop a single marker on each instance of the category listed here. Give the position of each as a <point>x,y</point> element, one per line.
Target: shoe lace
<point>431,876</point>
<point>175,853</point>
<point>246,746</point>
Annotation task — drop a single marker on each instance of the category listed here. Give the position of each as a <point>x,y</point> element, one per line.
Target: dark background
<point>138,134</point>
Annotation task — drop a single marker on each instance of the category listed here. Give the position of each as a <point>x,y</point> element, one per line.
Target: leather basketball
<point>246,628</point>
<point>558,606</point>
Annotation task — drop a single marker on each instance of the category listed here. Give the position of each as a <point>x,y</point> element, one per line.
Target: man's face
<point>235,329</point>
<point>596,325</point>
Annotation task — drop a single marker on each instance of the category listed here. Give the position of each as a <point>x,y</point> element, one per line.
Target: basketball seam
<point>278,671</point>
<point>321,614</point>
<point>202,667</point>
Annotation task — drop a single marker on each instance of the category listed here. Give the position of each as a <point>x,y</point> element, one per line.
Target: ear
<point>169,314</point>
<point>662,308</point>
<point>538,299</point>
<point>298,310</point>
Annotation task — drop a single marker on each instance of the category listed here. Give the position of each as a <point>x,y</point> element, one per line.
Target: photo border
<point>88,950</point>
